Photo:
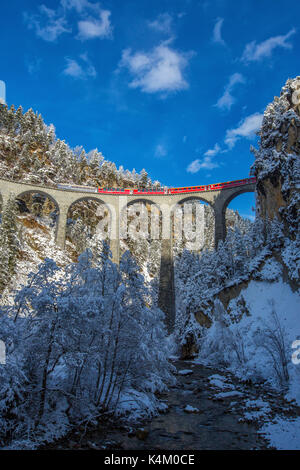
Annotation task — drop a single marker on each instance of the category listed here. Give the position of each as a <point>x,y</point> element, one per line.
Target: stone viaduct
<point>64,199</point>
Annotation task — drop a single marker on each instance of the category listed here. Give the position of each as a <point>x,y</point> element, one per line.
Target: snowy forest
<point>85,337</point>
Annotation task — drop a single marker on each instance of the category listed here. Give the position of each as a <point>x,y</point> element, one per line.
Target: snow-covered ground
<point>256,348</point>
<point>283,434</point>
<point>263,298</point>
<point>248,347</point>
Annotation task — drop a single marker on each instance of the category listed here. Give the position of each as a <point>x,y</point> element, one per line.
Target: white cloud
<point>33,65</point>
<point>213,152</point>
<point>227,99</point>
<point>206,163</point>
<point>48,24</point>
<point>255,52</point>
<point>95,28</point>
<point>162,24</point>
<point>80,71</point>
<point>194,166</point>
<point>217,35</point>
<point>78,5</point>
<point>73,69</point>
<point>90,27</point>
<point>160,150</point>
<point>92,20</point>
<point>160,70</point>
<point>247,128</point>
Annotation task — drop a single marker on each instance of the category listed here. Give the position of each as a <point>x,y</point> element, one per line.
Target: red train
<point>161,191</point>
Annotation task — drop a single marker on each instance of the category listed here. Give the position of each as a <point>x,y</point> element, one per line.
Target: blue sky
<point>175,87</point>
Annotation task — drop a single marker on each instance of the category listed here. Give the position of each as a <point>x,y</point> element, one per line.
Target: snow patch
<point>191,409</point>
<point>185,372</point>
<point>232,393</point>
<point>283,434</point>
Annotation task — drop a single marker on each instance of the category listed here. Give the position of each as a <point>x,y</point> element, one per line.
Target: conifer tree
<point>9,242</point>
<point>143,179</point>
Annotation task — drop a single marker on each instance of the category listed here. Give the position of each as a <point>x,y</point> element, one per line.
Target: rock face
<point>189,348</point>
<point>277,160</point>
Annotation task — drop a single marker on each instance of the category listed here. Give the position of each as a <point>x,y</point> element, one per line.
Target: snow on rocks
<point>219,381</point>
<point>232,393</point>
<point>228,390</point>
<point>185,372</point>
<point>256,410</point>
<point>283,434</point>
<point>191,409</point>
<point>163,407</point>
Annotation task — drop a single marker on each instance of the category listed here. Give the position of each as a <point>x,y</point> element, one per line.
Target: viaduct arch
<point>64,199</point>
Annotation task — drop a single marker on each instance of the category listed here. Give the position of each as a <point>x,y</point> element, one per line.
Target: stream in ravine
<point>217,423</point>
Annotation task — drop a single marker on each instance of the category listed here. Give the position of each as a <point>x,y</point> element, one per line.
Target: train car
<point>144,192</point>
<point>212,187</point>
<point>72,187</point>
<point>189,189</point>
<point>120,191</point>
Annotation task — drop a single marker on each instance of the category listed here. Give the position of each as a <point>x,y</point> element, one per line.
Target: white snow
<point>232,393</point>
<point>271,271</point>
<point>185,372</point>
<point>256,410</point>
<point>191,409</point>
<point>284,434</point>
<point>240,345</point>
<point>219,381</point>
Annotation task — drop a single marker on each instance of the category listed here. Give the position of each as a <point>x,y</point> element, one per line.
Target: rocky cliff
<point>277,162</point>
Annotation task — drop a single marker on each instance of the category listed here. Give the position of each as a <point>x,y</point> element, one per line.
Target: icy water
<point>216,425</point>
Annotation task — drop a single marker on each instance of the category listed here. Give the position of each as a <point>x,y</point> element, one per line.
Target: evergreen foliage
<point>81,342</point>
<point>9,242</point>
<point>30,151</point>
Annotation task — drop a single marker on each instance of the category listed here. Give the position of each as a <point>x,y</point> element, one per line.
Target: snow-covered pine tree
<point>143,179</point>
<point>79,235</point>
<point>9,242</point>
